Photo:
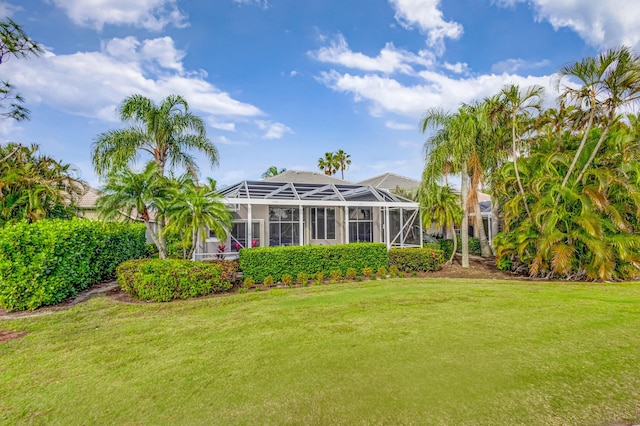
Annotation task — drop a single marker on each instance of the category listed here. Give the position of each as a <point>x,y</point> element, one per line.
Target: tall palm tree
<point>166,132</point>
<point>441,207</point>
<point>195,210</point>
<point>146,194</point>
<point>344,161</point>
<point>328,164</point>
<point>273,171</point>
<point>520,106</point>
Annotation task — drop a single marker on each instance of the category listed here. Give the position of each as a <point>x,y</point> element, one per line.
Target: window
<point>360,224</point>
<point>239,235</point>
<point>284,226</point>
<point>323,223</point>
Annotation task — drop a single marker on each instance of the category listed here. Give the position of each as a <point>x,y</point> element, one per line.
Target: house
<point>301,208</point>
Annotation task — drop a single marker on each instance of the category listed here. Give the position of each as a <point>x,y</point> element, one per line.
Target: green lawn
<point>404,351</point>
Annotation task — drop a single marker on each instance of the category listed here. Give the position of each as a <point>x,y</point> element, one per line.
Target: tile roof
<point>301,176</point>
<point>391,181</point>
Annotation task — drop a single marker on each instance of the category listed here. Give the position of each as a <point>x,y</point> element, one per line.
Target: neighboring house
<point>301,208</point>
<point>86,209</point>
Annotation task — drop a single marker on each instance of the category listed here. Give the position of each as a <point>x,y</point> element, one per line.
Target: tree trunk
<point>452,230</point>
<point>157,240</point>
<point>464,227</point>
<point>592,157</point>
<point>495,221</point>
<point>482,234</point>
<point>515,165</point>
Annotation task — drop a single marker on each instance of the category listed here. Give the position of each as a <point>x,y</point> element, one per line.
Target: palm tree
<point>441,207</point>
<point>328,164</point>
<point>166,132</point>
<point>144,194</point>
<point>272,171</point>
<point>344,161</point>
<point>195,210</point>
<point>520,107</point>
<point>34,187</point>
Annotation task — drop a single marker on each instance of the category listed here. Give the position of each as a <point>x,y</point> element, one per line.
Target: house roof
<point>89,199</point>
<point>293,193</point>
<point>391,181</point>
<point>301,176</point>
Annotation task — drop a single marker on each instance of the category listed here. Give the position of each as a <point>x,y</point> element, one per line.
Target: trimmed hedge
<point>416,259</point>
<point>163,280</point>
<point>447,246</point>
<point>45,262</point>
<point>260,262</point>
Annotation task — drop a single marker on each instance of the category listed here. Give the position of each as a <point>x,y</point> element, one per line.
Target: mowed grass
<point>404,351</point>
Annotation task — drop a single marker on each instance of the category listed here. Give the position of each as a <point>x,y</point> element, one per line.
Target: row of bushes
<point>45,262</point>
<point>447,246</point>
<point>163,280</point>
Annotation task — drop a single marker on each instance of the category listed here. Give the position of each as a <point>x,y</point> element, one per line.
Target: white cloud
<point>514,65</point>
<point>152,15</point>
<point>273,130</point>
<point>458,67</point>
<point>7,9</point>
<point>261,3</point>
<point>389,60</point>
<point>400,126</point>
<point>433,90</point>
<point>426,15</point>
<point>228,126</point>
<point>226,141</point>
<point>92,84</point>
<point>293,73</point>
<point>601,23</point>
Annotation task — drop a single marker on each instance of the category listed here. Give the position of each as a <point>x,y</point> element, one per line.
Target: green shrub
<point>416,259</point>
<point>336,275</point>
<point>302,279</point>
<point>394,271</point>
<point>367,272</point>
<point>248,283</point>
<point>382,272</point>
<point>47,261</point>
<point>447,246</point>
<point>259,262</point>
<point>268,281</point>
<point>150,250</point>
<point>229,268</point>
<point>287,280</point>
<point>351,273</point>
<point>435,245</point>
<point>163,280</point>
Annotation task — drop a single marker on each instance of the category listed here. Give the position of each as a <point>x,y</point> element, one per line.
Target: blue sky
<point>281,82</point>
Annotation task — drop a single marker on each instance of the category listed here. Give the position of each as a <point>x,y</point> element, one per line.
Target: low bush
<point>367,272</point>
<point>248,283</point>
<point>351,273</point>
<point>163,280</point>
<point>447,246</point>
<point>259,262</point>
<point>230,269</point>
<point>302,279</point>
<point>394,271</point>
<point>382,272</point>
<point>416,259</point>
<point>45,262</point>
<point>287,280</point>
<point>336,274</point>
<point>268,281</point>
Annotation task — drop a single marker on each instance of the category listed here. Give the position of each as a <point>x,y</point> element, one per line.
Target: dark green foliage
<point>45,262</point>
<point>161,280</point>
<point>417,259</point>
<point>447,246</point>
<point>259,262</point>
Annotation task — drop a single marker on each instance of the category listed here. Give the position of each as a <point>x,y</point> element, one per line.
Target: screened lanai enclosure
<point>286,213</point>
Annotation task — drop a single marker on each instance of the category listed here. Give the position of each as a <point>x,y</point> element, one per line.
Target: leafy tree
<point>440,206</point>
<point>166,132</point>
<point>195,210</point>
<point>143,195</point>
<point>344,161</point>
<point>328,164</point>
<point>34,186</point>
<point>273,171</point>
<point>14,42</point>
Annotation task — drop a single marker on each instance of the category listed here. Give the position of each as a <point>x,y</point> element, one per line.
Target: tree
<point>344,161</point>
<point>145,195</point>
<point>272,171</point>
<point>166,132</point>
<point>34,186</point>
<point>195,210</point>
<point>14,42</point>
<point>328,164</point>
<point>440,206</point>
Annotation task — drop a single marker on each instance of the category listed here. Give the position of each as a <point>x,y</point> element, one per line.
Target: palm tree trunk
<point>578,152</point>
<point>482,234</point>
<point>451,229</point>
<point>162,249</point>
<point>464,227</point>
<point>495,220</point>
<point>515,165</point>
<point>592,157</point>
